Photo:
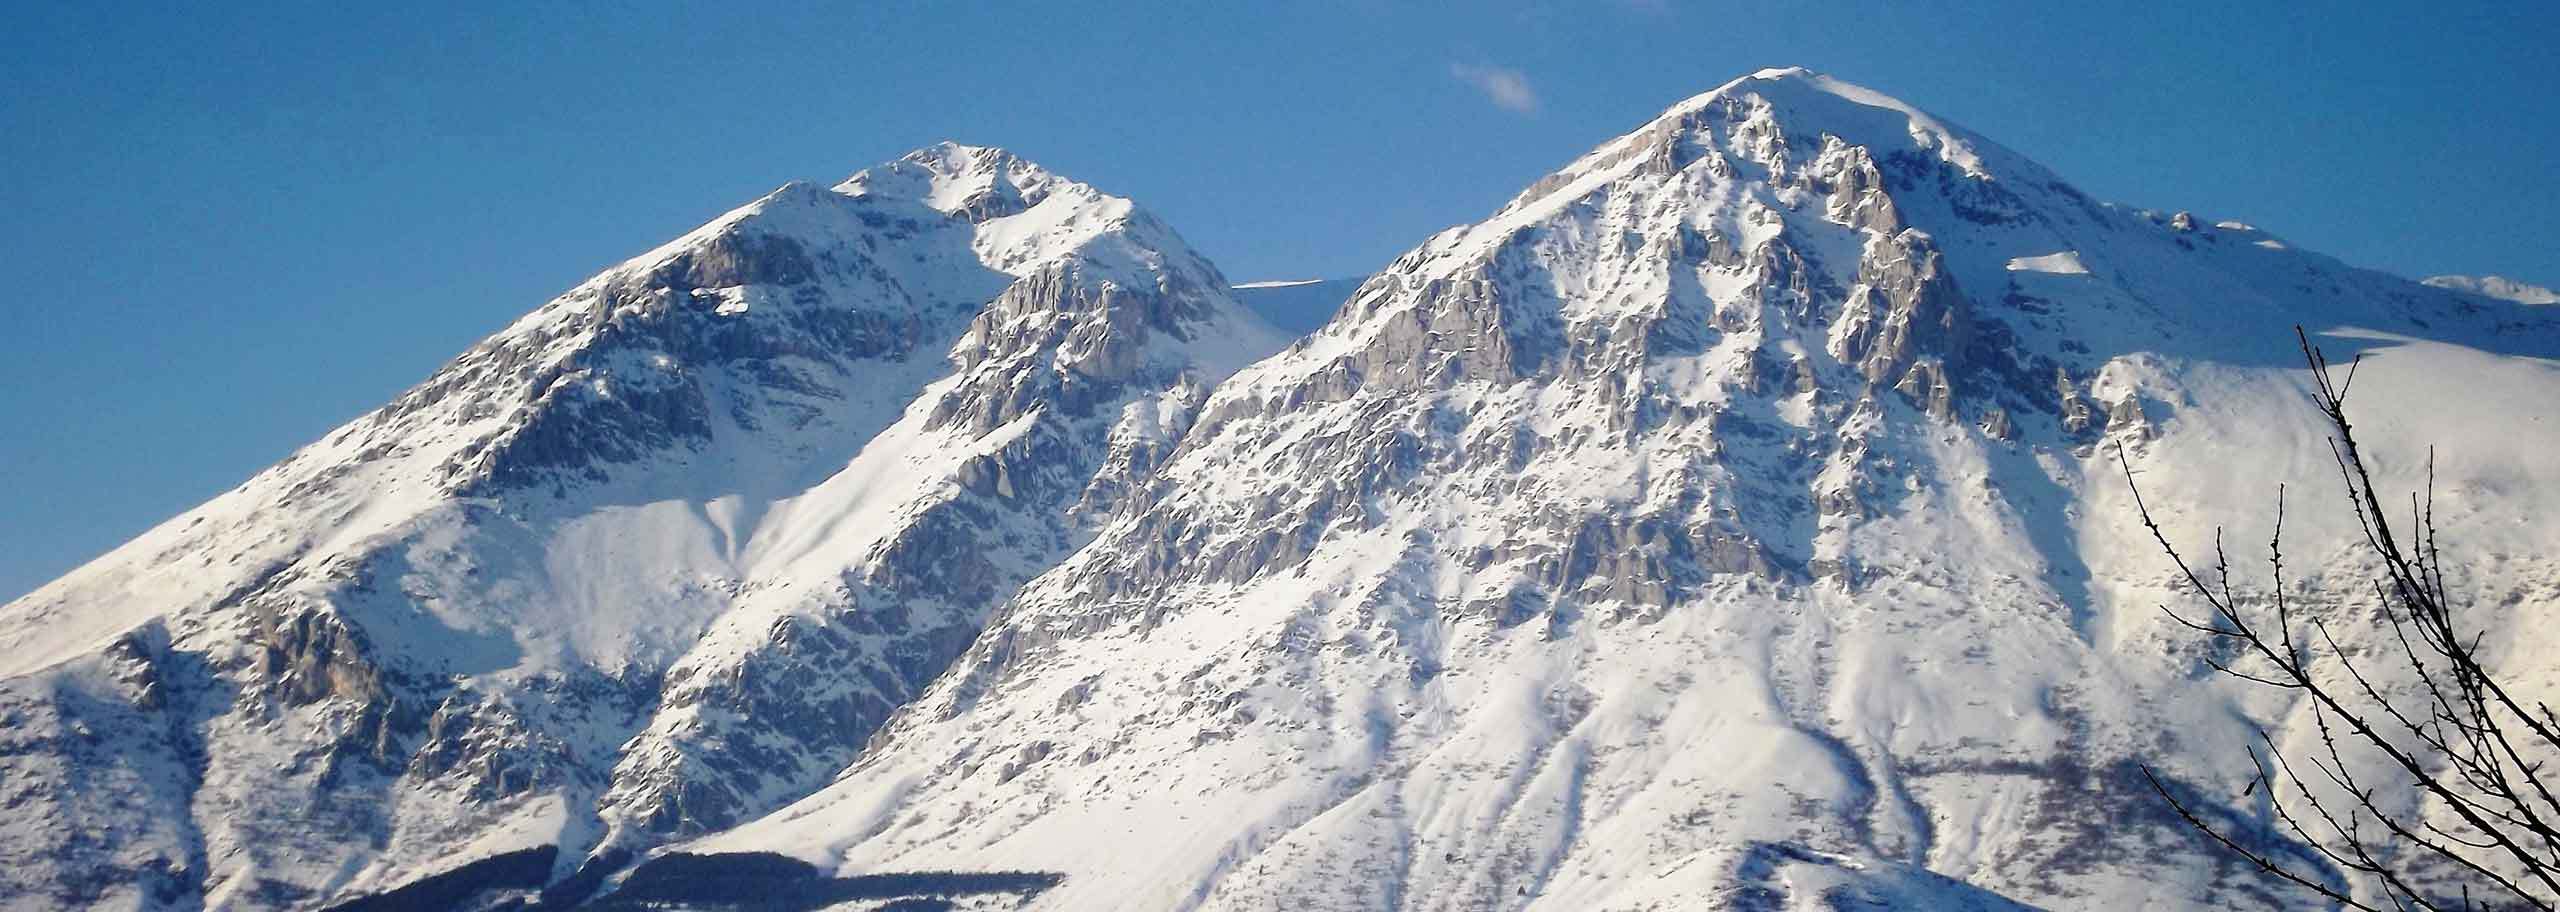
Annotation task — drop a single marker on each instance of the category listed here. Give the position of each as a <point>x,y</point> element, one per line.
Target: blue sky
<point>231,229</point>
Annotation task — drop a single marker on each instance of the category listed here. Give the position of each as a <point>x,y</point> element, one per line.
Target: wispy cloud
<point>1504,86</point>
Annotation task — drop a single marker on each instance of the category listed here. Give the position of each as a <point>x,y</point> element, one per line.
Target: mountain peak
<point>2499,287</point>
<point>1807,102</point>
<point>1791,74</point>
<point>976,183</point>
<point>1772,74</point>
<point>1789,131</point>
<point>1756,117</point>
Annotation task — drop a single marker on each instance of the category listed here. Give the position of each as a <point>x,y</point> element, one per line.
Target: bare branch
<point>2454,754</point>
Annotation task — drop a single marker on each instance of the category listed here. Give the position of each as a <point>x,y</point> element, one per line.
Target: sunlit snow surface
<point>2064,263</point>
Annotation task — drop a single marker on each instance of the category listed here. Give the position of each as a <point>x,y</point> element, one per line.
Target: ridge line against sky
<point>238,228</point>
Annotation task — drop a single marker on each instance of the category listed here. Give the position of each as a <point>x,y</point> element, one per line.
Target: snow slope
<point>1733,520</point>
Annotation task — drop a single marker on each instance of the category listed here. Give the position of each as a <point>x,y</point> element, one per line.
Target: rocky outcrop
<point>1857,196</point>
<point>1068,342</point>
<point>1904,307</point>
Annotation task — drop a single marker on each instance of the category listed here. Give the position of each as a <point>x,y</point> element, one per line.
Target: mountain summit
<point>2499,287</point>
<point>1732,520</point>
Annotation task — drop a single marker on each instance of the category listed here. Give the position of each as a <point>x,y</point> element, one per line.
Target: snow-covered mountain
<point>1730,521</point>
<point>651,561</point>
<point>2499,287</point>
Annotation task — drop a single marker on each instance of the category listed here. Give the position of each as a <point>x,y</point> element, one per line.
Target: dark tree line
<point>2462,813</point>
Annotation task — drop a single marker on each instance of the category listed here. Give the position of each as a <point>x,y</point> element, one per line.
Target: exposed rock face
<point>1903,308</point>
<point>1995,424</point>
<point>2076,415</point>
<point>1061,340</point>
<point>650,562</point>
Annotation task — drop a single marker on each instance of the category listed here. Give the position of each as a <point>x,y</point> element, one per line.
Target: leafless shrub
<point>2482,834</point>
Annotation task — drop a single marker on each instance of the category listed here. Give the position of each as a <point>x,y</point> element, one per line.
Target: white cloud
<point>1503,86</point>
